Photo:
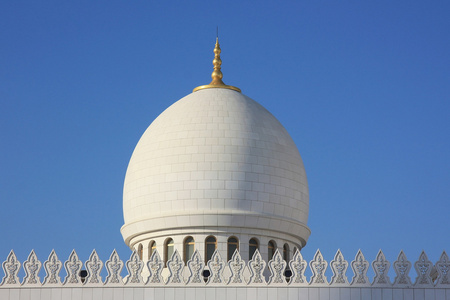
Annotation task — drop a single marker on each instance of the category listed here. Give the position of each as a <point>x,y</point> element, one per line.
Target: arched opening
<point>151,248</point>
<point>168,249</point>
<point>271,247</point>
<point>210,247</point>
<point>253,245</point>
<point>286,252</point>
<point>140,251</point>
<point>232,245</point>
<point>189,245</point>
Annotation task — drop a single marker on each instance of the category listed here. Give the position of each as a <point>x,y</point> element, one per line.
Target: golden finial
<point>217,74</point>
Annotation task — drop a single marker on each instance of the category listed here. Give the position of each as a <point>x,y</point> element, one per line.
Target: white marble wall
<point>224,293</point>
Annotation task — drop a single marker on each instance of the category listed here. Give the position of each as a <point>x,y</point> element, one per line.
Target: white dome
<point>216,160</point>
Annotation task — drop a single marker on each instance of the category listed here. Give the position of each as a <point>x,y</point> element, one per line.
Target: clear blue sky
<point>363,88</point>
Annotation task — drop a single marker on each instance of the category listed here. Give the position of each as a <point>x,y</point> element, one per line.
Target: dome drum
<point>221,242</point>
<point>224,224</point>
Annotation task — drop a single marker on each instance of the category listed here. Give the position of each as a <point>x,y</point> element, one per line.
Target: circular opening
<point>83,274</point>
<point>206,275</point>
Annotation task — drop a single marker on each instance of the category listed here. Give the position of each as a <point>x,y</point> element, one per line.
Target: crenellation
<point>402,267</point>
<point>196,276</point>
<point>175,266</point>
<point>256,266</point>
<point>73,268</point>
<point>298,267</point>
<point>318,267</point>
<point>443,269</point>
<point>114,266</point>
<point>216,268</point>
<point>155,266</point>
<point>277,266</point>
<point>11,268</point>
<point>339,267</point>
<point>93,267</point>
<point>196,266</point>
<point>381,267</point>
<point>360,267</point>
<point>52,268</point>
<point>134,266</point>
<point>32,266</point>
<point>423,267</point>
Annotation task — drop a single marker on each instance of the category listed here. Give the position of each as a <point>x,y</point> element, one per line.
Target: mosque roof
<point>214,158</point>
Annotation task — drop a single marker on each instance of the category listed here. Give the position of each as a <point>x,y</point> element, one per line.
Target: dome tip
<point>217,73</point>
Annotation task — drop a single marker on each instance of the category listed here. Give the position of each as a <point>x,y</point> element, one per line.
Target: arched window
<point>210,247</point>
<point>271,249</point>
<point>233,245</point>
<point>188,248</point>
<point>140,251</point>
<point>168,249</point>
<point>151,248</point>
<point>286,252</point>
<point>252,247</point>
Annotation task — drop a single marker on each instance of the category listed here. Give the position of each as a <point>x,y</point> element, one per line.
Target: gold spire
<point>217,74</point>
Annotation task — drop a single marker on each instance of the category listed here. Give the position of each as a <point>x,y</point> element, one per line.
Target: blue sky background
<point>363,88</point>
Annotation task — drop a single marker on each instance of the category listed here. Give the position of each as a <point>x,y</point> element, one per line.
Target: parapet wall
<point>235,276</point>
<point>235,272</point>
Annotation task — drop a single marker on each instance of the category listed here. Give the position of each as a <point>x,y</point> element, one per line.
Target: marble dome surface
<point>216,159</point>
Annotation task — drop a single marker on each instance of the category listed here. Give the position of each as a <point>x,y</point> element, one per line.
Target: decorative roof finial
<point>217,73</point>
<point>217,62</point>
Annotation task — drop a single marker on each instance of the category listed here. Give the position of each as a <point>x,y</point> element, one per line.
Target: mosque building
<point>215,205</point>
<point>216,170</point>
